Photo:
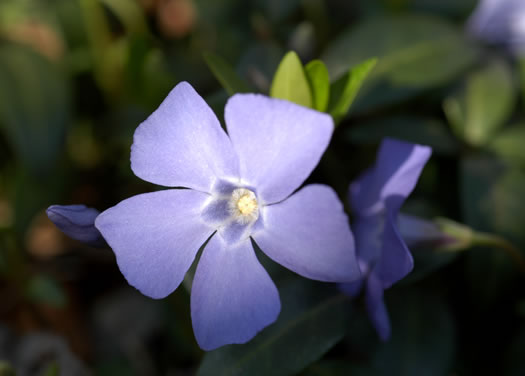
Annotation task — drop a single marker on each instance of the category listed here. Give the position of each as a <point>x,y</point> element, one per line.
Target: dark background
<point>78,76</point>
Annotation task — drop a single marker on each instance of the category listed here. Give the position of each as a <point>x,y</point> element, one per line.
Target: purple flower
<point>78,222</point>
<point>376,197</point>
<point>500,22</point>
<point>240,190</point>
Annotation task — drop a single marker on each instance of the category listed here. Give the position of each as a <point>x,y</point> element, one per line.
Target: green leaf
<point>413,129</point>
<point>344,90</point>
<point>413,49</point>
<point>415,52</point>
<point>319,80</point>
<point>484,105</point>
<point>290,83</point>
<point>508,144</point>
<point>225,74</point>
<point>313,319</point>
<point>454,108</point>
<point>43,289</point>
<point>34,107</point>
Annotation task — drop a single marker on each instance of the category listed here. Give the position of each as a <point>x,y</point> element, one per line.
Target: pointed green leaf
<point>225,74</point>
<point>484,105</point>
<point>454,108</point>
<point>319,80</point>
<point>488,112</point>
<point>344,90</point>
<point>290,83</point>
<point>313,320</point>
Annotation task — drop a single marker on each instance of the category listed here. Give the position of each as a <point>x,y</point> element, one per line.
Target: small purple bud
<point>77,222</point>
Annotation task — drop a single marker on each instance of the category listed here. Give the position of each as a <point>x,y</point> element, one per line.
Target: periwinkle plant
<point>240,189</point>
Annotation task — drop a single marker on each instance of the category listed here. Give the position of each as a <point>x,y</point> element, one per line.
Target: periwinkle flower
<point>78,222</point>
<point>241,188</point>
<point>376,197</point>
<point>500,22</point>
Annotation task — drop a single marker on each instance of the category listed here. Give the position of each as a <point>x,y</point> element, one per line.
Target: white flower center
<point>243,206</point>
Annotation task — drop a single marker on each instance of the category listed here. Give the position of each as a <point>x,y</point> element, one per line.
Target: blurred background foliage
<point>78,76</point>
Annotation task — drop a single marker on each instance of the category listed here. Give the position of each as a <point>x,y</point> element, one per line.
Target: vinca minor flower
<point>376,197</point>
<point>500,22</point>
<point>240,189</point>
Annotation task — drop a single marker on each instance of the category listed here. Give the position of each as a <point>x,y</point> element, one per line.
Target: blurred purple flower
<point>500,22</point>
<point>376,197</point>
<point>77,222</point>
<point>240,189</point>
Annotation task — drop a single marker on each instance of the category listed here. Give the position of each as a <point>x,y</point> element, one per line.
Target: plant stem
<point>485,239</point>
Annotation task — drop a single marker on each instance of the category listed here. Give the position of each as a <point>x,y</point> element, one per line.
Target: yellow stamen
<point>243,205</point>
<point>247,204</point>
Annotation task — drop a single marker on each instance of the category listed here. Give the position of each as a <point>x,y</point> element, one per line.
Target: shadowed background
<point>78,76</point>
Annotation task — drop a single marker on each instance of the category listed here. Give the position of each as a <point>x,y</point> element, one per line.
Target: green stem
<point>465,238</point>
<point>485,239</point>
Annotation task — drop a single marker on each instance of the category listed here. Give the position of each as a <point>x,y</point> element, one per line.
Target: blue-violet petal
<point>155,237</point>
<point>232,297</point>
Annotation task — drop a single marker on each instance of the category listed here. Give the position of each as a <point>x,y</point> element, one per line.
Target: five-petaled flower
<point>240,190</point>
<point>376,197</point>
